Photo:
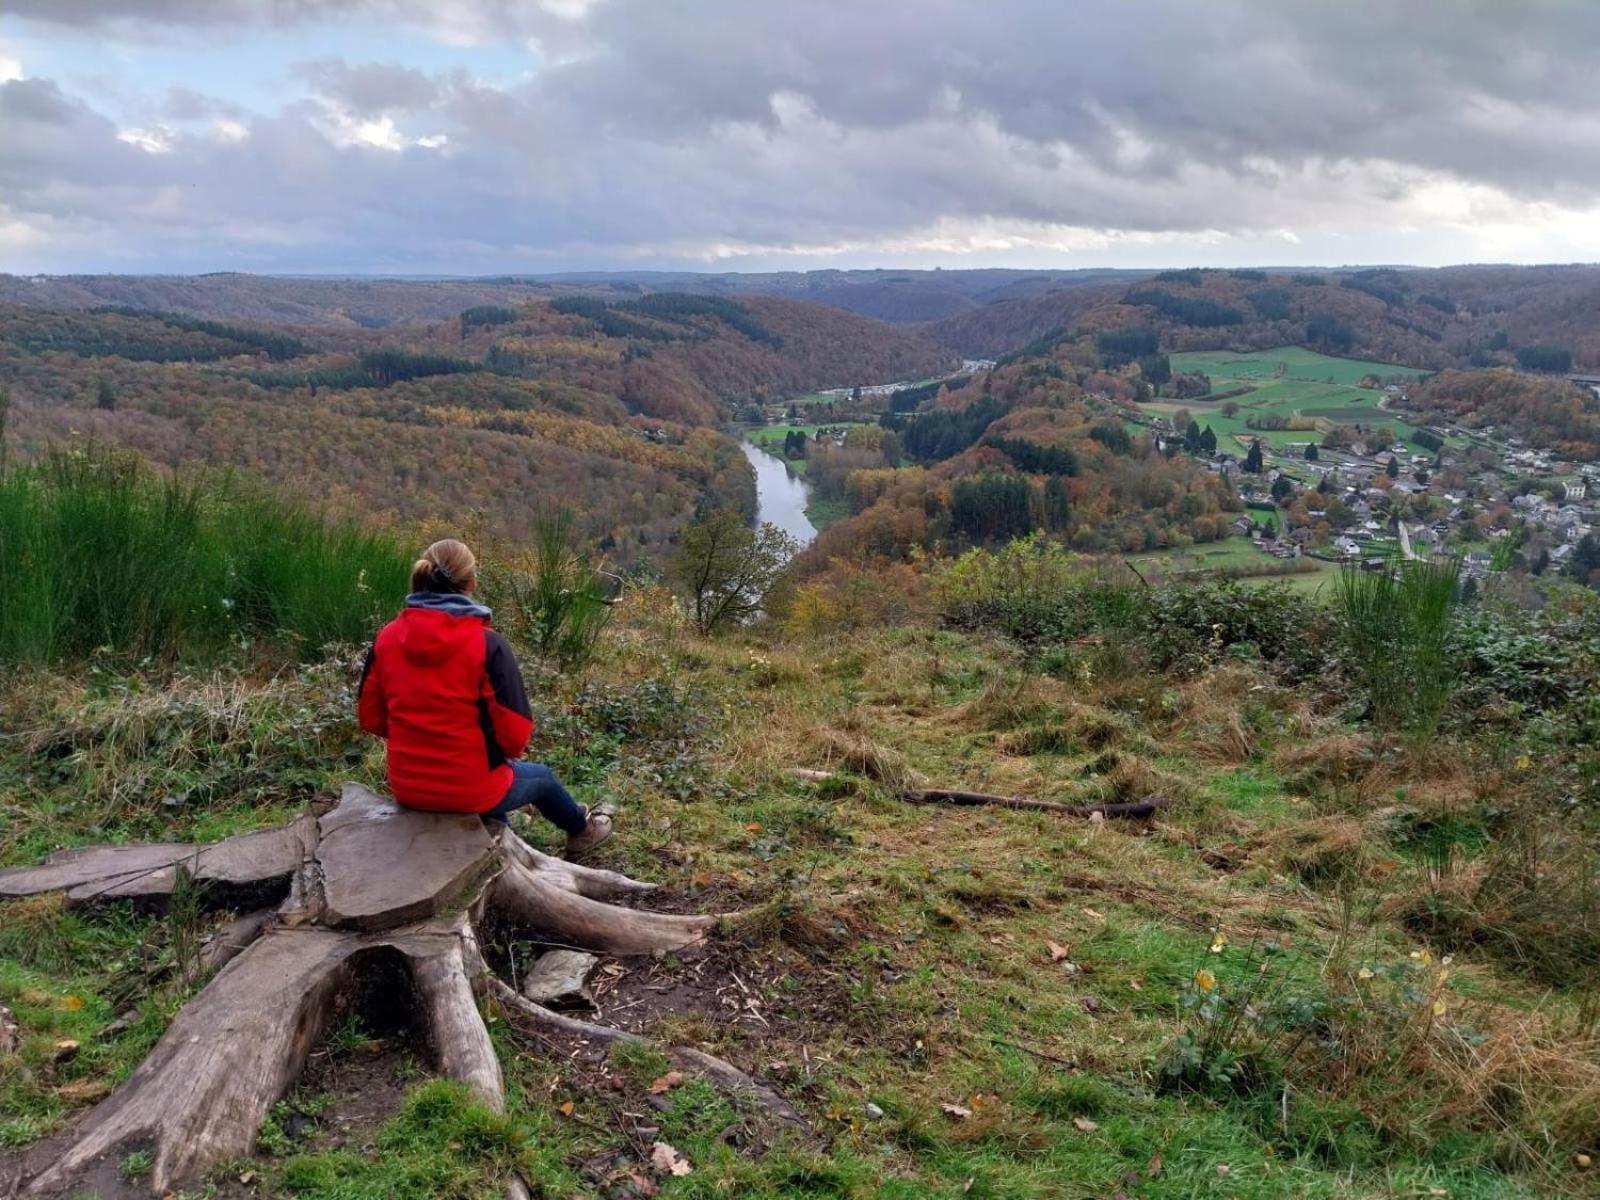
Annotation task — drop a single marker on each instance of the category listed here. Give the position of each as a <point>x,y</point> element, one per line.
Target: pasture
<point>1290,382</point>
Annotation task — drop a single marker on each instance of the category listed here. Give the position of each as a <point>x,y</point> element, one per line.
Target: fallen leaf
<point>1222,1169</point>
<point>1091,1004</point>
<point>666,1083</point>
<point>1136,984</point>
<point>666,1160</point>
<point>643,1184</point>
<point>1089,912</point>
<point>960,1111</point>
<point>702,879</point>
<point>753,827</point>
<point>566,1109</point>
<point>72,1003</point>
<point>247,1177</point>
<point>1057,951</point>
<point>1085,1124</point>
<point>1154,1165</point>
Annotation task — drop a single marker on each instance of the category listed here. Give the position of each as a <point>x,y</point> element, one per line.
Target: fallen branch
<point>1130,810</point>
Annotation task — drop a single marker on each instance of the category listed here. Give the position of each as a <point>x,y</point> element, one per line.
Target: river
<point>780,495</point>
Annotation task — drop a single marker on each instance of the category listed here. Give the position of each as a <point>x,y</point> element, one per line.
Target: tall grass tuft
<point>1396,625</point>
<point>100,555</point>
<point>555,597</point>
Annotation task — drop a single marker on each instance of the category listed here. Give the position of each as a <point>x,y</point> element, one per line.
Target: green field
<point>1288,382</point>
<point>769,437</point>
<point>1233,558</point>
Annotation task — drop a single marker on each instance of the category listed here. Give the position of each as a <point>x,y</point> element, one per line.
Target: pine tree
<point>1393,469</point>
<point>1312,453</point>
<point>1191,437</point>
<point>105,399</point>
<point>1252,460</point>
<point>1208,440</point>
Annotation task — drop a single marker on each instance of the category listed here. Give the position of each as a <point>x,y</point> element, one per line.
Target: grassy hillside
<point>1340,963</point>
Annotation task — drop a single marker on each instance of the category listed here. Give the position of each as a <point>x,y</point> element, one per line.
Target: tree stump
<point>367,879</point>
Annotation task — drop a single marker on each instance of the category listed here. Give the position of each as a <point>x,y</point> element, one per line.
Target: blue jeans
<point>536,784</point>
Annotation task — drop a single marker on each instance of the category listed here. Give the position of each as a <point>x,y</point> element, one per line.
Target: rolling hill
<point>480,419</point>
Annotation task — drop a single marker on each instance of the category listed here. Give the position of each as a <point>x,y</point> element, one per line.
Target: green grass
<point>903,959</point>
<point>1288,382</point>
<point>106,558</point>
<point>1292,362</point>
<point>770,436</point>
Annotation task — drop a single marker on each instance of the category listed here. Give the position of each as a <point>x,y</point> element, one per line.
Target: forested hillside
<point>377,301</point>
<point>1540,318</point>
<point>487,416</point>
<point>1037,444</point>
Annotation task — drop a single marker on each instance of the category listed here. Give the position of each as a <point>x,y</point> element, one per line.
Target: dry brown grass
<point>1324,850</point>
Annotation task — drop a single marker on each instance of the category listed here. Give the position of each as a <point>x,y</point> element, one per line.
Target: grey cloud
<point>373,88</point>
<point>186,104</point>
<point>670,123</point>
<point>36,100</point>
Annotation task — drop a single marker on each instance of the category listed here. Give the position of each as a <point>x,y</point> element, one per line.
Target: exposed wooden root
<point>201,1094</point>
<point>254,865</point>
<point>537,902</point>
<point>721,1072</point>
<point>457,1036</point>
<point>227,943</point>
<point>585,881</point>
<point>366,878</point>
<point>1132,810</point>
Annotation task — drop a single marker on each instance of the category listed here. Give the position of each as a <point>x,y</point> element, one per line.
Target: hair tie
<point>441,573</point>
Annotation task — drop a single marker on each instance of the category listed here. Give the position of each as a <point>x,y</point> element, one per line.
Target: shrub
<point>1396,627</point>
<point>555,598</point>
<point>103,556</point>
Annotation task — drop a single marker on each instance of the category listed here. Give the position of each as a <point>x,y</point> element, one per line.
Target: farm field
<point>1288,382</point>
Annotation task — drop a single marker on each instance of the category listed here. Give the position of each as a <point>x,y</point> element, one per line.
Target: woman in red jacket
<point>443,688</point>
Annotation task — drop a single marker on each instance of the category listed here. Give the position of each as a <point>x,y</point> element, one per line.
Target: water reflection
<point>780,495</point>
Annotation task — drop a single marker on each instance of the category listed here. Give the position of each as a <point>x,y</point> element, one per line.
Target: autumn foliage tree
<point>726,569</point>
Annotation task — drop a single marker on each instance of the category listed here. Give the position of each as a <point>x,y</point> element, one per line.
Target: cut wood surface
<point>383,865</point>
<point>364,881</point>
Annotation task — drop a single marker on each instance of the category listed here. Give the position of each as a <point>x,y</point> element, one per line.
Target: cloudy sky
<point>485,136</point>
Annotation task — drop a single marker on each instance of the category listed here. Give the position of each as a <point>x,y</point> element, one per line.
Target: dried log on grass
<point>1131,810</point>
<point>364,882</point>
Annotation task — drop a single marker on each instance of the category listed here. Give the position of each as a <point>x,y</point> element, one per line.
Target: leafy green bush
<point>102,556</point>
<point>1037,591</point>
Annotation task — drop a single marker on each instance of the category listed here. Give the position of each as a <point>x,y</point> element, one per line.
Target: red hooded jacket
<point>443,688</point>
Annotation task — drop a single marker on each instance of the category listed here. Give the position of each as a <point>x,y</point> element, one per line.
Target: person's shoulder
<point>494,643</point>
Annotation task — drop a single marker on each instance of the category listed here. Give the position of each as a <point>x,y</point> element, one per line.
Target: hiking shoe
<point>597,828</point>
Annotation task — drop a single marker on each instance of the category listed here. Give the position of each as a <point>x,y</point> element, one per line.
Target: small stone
<point>873,1112</point>
<point>560,979</point>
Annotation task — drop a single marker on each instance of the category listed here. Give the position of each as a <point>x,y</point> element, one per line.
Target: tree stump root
<point>366,879</point>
